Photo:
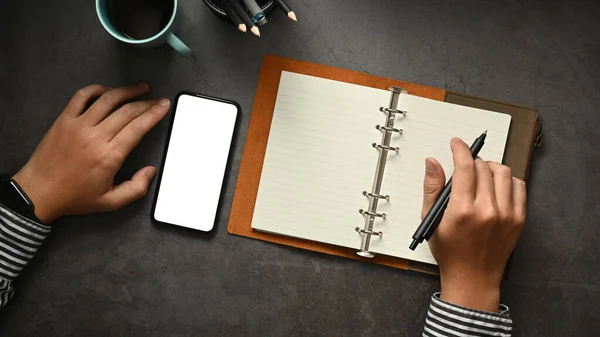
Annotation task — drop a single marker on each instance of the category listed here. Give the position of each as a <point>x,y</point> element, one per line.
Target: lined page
<point>428,128</point>
<point>319,159</point>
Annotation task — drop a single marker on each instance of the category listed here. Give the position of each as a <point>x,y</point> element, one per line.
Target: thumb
<point>130,190</point>
<point>434,182</point>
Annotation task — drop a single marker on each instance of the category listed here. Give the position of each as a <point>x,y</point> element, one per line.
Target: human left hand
<point>72,170</point>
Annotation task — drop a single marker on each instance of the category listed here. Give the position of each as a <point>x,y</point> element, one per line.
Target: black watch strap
<point>13,197</point>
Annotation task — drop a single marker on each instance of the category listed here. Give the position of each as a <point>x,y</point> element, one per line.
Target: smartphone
<point>195,161</point>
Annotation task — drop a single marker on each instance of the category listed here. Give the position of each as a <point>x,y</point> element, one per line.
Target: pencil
<point>234,16</point>
<point>245,16</point>
<point>288,11</point>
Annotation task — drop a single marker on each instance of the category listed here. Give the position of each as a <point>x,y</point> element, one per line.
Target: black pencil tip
<point>485,133</point>
<point>413,245</point>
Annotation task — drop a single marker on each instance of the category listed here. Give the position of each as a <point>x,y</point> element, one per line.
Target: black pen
<point>436,212</point>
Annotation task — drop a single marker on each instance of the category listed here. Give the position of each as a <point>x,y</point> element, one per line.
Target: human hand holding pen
<point>480,227</point>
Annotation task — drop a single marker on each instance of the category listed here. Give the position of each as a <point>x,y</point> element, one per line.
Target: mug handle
<point>178,45</point>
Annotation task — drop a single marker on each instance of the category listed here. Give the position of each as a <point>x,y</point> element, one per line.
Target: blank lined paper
<point>319,159</point>
<point>428,128</point>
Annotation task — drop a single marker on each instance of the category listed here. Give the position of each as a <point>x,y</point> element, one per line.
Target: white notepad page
<point>428,128</point>
<point>319,159</point>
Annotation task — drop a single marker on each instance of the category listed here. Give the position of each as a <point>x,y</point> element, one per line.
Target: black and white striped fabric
<point>446,319</point>
<point>20,238</point>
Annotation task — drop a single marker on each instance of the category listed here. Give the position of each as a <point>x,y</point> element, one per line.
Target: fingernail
<point>164,102</point>
<point>429,166</point>
<point>142,85</point>
<point>456,139</point>
<point>151,171</point>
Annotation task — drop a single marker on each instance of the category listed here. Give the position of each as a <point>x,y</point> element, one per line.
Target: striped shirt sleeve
<point>20,238</point>
<point>446,319</point>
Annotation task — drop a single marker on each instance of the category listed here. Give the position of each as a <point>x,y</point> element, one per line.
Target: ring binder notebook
<point>351,198</point>
<point>371,214</point>
<point>294,191</point>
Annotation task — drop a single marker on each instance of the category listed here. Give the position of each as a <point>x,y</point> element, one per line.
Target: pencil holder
<point>215,6</point>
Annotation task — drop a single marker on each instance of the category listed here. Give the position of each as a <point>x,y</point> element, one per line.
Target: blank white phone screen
<point>195,164</point>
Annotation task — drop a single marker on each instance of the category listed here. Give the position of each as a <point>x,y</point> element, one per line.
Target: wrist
<point>474,292</point>
<point>43,208</point>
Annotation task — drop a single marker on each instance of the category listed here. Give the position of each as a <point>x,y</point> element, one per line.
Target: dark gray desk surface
<point>120,275</point>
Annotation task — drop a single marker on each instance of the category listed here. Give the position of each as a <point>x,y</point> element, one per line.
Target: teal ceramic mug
<point>142,23</point>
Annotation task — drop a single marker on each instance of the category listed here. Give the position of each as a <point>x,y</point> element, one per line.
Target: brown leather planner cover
<point>240,220</point>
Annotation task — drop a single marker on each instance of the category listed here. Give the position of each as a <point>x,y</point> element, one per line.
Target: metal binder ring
<point>393,111</point>
<point>387,128</point>
<point>385,147</point>
<point>363,231</point>
<point>363,212</point>
<point>378,196</point>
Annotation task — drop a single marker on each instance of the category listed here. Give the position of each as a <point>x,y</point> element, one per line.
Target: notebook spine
<point>371,213</point>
